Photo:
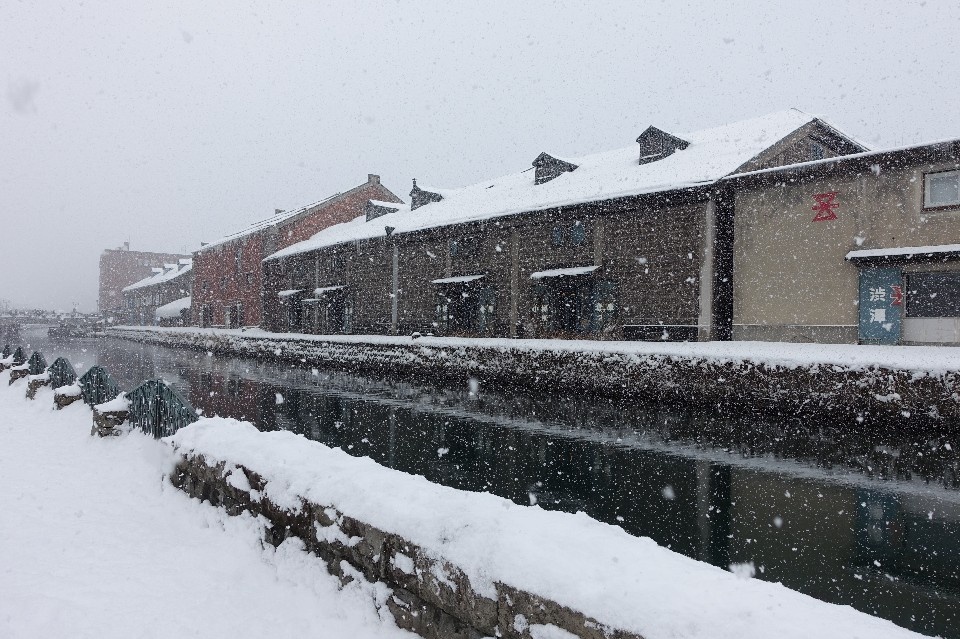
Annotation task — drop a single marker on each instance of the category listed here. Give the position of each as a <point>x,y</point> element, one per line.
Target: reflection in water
<point>866,518</point>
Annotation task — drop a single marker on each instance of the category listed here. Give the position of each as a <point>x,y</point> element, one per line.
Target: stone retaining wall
<point>872,394</point>
<point>430,596</point>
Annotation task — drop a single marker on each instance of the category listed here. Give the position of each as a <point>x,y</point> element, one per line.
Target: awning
<point>289,292</point>
<point>460,279</point>
<point>317,292</point>
<point>902,254</point>
<point>563,272</point>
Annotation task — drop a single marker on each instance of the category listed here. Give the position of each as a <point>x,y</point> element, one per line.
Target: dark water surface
<point>869,519</point>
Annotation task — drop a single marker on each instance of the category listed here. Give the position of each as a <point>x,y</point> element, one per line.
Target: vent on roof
<point>548,167</point>
<point>420,197</point>
<point>656,145</point>
<point>376,209</point>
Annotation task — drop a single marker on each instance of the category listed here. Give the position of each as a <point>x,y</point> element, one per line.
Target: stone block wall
<point>430,596</point>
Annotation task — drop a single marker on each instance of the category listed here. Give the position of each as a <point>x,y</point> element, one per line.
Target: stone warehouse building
<point>169,284</point>
<point>122,267</point>
<point>863,248</point>
<point>635,243</point>
<point>228,271</point>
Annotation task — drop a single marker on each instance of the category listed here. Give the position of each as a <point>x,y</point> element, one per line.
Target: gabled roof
<point>169,272</point>
<point>711,155</point>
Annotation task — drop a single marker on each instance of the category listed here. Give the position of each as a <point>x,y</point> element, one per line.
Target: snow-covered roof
<point>903,251</point>
<point>290,291</point>
<point>173,309</point>
<point>712,154</point>
<point>563,272</point>
<point>169,272</point>
<point>462,279</point>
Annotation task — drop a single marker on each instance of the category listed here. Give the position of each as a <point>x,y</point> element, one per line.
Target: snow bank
<point>627,583</point>
<point>97,546</point>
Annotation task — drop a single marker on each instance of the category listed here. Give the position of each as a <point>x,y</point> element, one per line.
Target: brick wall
<point>120,268</point>
<point>231,273</point>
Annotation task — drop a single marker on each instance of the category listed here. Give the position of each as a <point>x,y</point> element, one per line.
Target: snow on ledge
<point>563,272</point>
<point>903,251</point>
<point>628,582</point>
<point>118,403</point>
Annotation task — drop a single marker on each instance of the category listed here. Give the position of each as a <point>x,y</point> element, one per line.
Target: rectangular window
<point>557,236</point>
<point>816,151</point>
<point>578,234</point>
<point>941,189</point>
<point>933,294</point>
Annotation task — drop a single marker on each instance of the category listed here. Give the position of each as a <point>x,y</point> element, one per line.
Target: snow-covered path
<point>94,544</point>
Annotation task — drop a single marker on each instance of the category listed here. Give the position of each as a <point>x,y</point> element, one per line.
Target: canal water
<point>843,513</point>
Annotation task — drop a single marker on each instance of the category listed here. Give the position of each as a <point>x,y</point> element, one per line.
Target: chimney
<point>126,246</point>
<point>373,179</point>
<point>277,211</point>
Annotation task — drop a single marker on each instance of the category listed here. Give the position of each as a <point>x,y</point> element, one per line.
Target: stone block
<point>34,385</point>
<point>62,401</point>
<point>18,373</point>
<point>107,423</point>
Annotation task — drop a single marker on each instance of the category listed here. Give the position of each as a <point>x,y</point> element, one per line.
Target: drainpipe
<point>395,289</point>
<point>707,268</point>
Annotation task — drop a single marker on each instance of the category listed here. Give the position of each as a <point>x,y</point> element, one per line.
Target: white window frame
<point>927,204</point>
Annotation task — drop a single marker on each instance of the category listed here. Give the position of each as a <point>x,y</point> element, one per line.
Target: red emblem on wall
<point>825,206</point>
<point>896,296</point>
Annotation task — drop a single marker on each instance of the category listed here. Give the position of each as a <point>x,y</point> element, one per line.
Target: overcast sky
<point>170,125</point>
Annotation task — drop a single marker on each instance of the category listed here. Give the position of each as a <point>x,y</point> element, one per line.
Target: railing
<point>6,351</point>
<point>18,357</point>
<point>158,409</point>
<point>37,363</point>
<point>97,386</point>
<point>62,373</point>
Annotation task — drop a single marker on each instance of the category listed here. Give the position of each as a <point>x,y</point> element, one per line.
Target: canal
<point>843,513</point>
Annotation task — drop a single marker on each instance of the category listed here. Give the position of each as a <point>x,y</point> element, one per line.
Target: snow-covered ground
<point>926,359</point>
<point>94,543</point>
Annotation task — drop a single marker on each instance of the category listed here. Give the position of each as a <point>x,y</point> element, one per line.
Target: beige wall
<point>791,279</point>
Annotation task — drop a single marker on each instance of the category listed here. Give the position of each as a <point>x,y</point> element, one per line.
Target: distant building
<point>634,243</point>
<point>228,272</point>
<point>170,286</point>
<point>863,248</point>
<point>122,267</point>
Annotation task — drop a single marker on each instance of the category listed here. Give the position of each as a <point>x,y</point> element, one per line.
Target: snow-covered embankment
<point>473,564</point>
<point>880,383</point>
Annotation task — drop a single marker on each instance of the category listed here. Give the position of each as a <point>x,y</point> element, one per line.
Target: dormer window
<point>656,145</point>
<point>376,208</point>
<point>548,167</point>
<point>420,197</point>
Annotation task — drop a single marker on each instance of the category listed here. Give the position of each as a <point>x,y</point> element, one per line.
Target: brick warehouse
<point>629,244</point>
<point>122,267</point>
<point>228,274</point>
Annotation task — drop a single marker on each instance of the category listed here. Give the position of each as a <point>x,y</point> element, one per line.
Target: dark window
<point>249,278</point>
<point>933,295</point>
<point>223,282</point>
<point>454,247</point>
<point>578,234</point>
<point>557,237</point>
<point>816,151</point>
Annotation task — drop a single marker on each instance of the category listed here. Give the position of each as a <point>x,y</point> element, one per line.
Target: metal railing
<point>6,351</point>
<point>18,357</point>
<point>37,363</point>
<point>97,386</point>
<point>158,409</point>
<point>61,373</point>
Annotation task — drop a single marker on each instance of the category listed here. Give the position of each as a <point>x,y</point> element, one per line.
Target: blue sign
<point>881,305</point>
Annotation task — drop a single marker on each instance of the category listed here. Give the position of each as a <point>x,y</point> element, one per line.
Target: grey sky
<point>170,125</point>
